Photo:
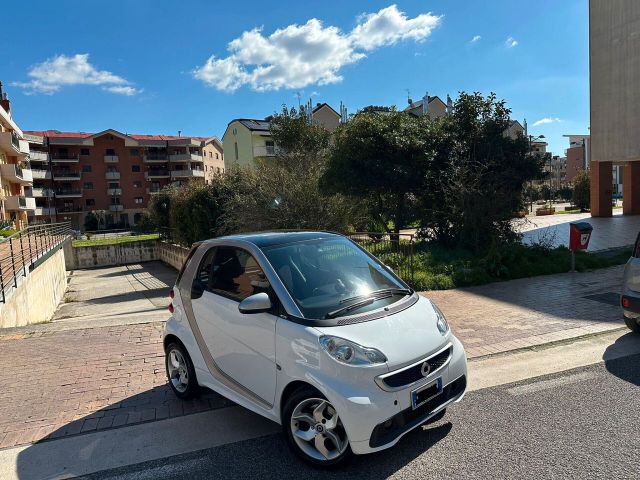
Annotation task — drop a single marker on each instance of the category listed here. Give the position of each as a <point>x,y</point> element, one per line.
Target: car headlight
<point>350,353</point>
<point>441,322</point>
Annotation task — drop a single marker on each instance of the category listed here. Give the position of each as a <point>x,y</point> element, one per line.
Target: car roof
<point>268,239</point>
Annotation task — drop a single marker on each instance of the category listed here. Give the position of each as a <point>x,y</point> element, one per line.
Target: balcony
<point>39,192</point>
<point>112,175</point>
<point>155,158</point>
<point>114,191</point>
<point>11,143</point>
<point>36,156</point>
<point>157,174</point>
<point>185,157</point>
<point>111,159</point>
<point>264,151</point>
<point>19,203</point>
<point>65,158</point>
<point>41,174</point>
<point>187,174</point>
<point>116,208</point>
<point>41,211</point>
<point>153,191</point>
<point>66,176</point>
<point>68,193</point>
<point>15,174</point>
<point>70,209</point>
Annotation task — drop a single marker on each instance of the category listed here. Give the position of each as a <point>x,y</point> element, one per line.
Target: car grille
<point>414,374</point>
<point>407,419</point>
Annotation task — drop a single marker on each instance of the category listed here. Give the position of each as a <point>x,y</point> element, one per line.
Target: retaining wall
<point>171,254</point>
<point>37,296</point>
<point>107,255</point>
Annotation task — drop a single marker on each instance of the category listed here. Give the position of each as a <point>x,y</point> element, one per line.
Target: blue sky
<point>148,67</point>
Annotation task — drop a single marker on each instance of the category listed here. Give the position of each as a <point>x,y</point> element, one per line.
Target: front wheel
<point>314,430</point>
<point>632,324</point>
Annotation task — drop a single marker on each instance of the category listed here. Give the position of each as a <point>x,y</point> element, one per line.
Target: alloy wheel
<point>178,371</point>
<point>317,429</point>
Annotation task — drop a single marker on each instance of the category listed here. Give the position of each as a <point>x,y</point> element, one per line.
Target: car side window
<point>636,251</point>
<point>236,274</point>
<point>202,280</point>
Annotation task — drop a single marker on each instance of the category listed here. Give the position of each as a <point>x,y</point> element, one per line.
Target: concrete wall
<point>37,296</point>
<point>173,255</point>
<point>106,255</point>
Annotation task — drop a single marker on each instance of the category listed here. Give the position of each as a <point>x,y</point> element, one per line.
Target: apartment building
<point>111,173</point>
<point>15,172</point>
<point>614,68</point>
<point>247,139</point>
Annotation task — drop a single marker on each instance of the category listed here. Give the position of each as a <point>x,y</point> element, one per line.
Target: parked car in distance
<point>311,331</point>
<point>630,298</point>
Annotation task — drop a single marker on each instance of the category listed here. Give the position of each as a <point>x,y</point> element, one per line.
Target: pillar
<point>601,189</point>
<point>631,189</point>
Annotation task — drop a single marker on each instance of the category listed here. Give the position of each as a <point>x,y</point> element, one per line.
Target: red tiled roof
<point>58,134</point>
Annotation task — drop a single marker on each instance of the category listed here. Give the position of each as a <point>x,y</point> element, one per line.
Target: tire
<point>632,324</point>
<point>180,372</point>
<point>303,403</point>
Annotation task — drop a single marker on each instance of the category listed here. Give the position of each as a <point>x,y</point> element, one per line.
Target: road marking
<point>541,385</point>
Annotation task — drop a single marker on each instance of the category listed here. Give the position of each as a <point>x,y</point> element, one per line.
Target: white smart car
<point>312,332</point>
<point>630,298</point>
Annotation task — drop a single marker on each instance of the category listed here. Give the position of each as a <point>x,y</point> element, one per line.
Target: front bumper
<point>375,419</point>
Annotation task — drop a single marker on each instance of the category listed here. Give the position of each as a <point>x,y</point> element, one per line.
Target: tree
<point>90,222</point>
<point>380,159</point>
<point>283,192</point>
<point>474,184</point>
<point>582,190</point>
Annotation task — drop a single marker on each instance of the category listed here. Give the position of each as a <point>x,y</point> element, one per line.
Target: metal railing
<point>20,252</point>
<point>394,250</point>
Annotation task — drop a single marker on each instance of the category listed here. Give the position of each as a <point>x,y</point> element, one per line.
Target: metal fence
<point>20,252</point>
<point>394,250</point>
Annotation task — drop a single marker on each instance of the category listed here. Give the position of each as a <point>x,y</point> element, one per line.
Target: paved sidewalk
<point>68,381</point>
<point>522,313</point>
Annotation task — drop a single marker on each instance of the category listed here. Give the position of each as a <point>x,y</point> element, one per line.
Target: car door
<point>632,270</point>
<point>241,345</point>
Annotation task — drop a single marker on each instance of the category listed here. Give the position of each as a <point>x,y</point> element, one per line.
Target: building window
<point>137,217</point>
<point>135,152</point>
<point>217,156</point>
<point>86,168</point>
<point>84,151</point>
<point>137,184</point>
<point>110,152</point>
<point>235,144</point>
<point>138,200</point>
<point>90,202</point>
<point>88,185</point>
<point>114,185</point>
<point>135,168</point>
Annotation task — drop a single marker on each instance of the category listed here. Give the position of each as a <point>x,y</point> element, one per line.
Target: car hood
<point>403,337</point>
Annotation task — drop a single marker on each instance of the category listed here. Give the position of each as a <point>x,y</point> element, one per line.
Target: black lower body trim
<point>407,419</point>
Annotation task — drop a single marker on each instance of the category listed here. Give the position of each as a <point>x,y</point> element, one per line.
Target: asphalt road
<point>582,423</point>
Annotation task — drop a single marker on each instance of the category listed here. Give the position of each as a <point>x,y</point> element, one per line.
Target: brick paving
<point>58,383</point>
<point>63,383</point>
<point>527,312</point>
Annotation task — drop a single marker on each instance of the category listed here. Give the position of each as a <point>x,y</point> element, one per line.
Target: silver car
<point>630,299</point>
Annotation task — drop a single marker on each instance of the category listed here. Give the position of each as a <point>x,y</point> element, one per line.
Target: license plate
<point>425,393</point>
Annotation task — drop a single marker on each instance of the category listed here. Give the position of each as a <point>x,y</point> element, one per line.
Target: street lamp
<point>533,138</point>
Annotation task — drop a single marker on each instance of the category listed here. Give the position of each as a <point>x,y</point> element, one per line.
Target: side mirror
<point>259,302</point>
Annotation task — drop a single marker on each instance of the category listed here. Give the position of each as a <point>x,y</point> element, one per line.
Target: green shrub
<point>7,232</point>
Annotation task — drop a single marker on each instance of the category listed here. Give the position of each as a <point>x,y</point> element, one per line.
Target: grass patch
<point>114,240</point>
<point>7,233</point>
<point>437,268</point>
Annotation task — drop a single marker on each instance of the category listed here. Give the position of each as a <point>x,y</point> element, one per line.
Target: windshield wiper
<point>376,294</point>
<point>368,300</point>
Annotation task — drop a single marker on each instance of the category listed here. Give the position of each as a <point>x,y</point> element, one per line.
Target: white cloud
<point>546,121</point>
<point>310,54</point>
<point>475,39</point>
<point>511,42</point>
<point>63,71</point>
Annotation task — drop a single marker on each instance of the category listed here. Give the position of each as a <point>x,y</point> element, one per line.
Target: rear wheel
<point>180,371</point>
<point>314,430</point>
<point>632,324</point>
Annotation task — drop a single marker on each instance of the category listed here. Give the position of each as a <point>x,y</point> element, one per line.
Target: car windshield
<point>325,276</point>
